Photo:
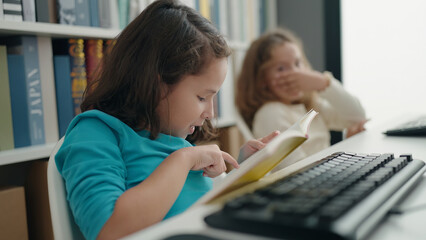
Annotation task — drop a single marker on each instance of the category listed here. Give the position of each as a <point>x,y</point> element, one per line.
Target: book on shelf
<point>108,14</point>
<point>243,21</point>
<point>190,3</point>
<point>263,161</point>
<point>104,14</point>
<point>222,11</point>
<point>123,13</point>
<point>113,14</point>
<point>82,13</point>
<point>65,106</point>
<point>28,10</point>
<point>1,11</point>
<point>46,11</point>
<point>93,49</point>
<point>45,59</point>
<point>27,112</point>
<point>108,45</point>
<point>204,8</point>
<point>136,7</point>
<point>214,13</point>
<point>74,48</point>
<point>12,10</point>
<point>26,95</point>
<point>253,19</point>
<point>6,126</point>
<point>234,20</point>
<point>66,12</point>
<point>268,15</point>
<point>94,13</point>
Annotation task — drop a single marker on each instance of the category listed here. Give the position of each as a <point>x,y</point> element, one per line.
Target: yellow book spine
<point>205,8</point>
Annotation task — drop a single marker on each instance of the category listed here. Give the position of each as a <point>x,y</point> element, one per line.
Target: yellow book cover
<point>263,161</point>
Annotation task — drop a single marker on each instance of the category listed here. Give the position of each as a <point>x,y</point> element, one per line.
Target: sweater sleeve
<point>275,116</point>
<point>339,108</point>
<point>91,164</point>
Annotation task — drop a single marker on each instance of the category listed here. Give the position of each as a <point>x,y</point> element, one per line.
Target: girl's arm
<point>148,202</point>
<point>338,107</point>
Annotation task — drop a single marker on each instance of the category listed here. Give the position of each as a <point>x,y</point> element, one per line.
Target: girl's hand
<point>303,80</point>
<point>255,145</point>
<point>210,159</point>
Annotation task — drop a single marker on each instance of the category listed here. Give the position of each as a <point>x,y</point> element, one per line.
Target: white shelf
<point>24,154</point>
<point>238,45</point>
<point>55,30</point>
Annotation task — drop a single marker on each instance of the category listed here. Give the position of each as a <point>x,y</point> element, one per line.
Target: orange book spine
<point>93,52</point>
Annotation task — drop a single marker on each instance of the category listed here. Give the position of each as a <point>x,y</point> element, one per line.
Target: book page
<point>263,161</point>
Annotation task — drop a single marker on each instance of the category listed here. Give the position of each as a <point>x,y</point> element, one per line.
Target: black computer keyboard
<point>343,197</point>
<point>415,127</point>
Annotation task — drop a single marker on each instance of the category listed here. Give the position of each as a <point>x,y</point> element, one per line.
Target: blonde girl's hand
<point>254,145</point>
<point>210,159</point>
<point>302,80</point>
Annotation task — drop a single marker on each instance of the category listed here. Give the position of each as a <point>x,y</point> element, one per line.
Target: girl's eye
<point>281,68</point>
<point>201,99</point>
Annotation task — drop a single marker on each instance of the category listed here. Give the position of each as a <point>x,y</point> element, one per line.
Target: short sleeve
<point>91,164</point>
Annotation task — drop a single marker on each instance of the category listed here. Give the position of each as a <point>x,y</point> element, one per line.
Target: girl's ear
<point>164,88</point>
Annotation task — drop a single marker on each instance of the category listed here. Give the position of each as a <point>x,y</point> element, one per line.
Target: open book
<point>263,161</point>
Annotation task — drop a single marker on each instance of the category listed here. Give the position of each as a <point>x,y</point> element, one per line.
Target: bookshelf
<point>238,40</point>
<point>15,164</point>
<point>51,31</point>
<point>26,166</point>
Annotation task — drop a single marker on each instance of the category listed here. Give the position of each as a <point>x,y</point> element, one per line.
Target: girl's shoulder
<point>95,119</point>
<point>103,124</point>
<point>93,116</point>
<point>279,107</point>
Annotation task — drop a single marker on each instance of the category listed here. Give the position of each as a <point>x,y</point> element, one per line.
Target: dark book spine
<point>65,106</point>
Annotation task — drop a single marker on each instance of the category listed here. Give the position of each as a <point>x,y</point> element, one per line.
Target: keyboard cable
<point>399,211</point>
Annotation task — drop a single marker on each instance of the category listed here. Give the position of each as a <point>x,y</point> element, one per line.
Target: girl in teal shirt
<point>127,159</point>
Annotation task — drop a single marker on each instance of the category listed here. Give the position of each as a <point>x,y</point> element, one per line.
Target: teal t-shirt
<point>102,157</point>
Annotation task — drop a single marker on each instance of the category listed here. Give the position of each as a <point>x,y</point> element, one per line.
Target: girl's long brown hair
<point>164,43</point>
<point>251,92</point>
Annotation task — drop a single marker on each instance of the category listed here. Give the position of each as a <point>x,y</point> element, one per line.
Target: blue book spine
<point>18,99</point>
<point>35,103</point>
<point>215,13</point>
<point>262,17</point>
<point>197,5</point>
<point>94,13</point>
<point>27,47</point>
<point>82,12</point>
<point>64,99</point>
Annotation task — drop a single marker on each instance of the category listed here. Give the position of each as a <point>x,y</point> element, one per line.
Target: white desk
<point>396,227</point>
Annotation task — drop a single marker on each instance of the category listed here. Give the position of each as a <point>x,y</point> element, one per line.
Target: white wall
<point>384,54</point>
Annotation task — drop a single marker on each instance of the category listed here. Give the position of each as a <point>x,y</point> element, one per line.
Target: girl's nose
<point>209,112</point>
